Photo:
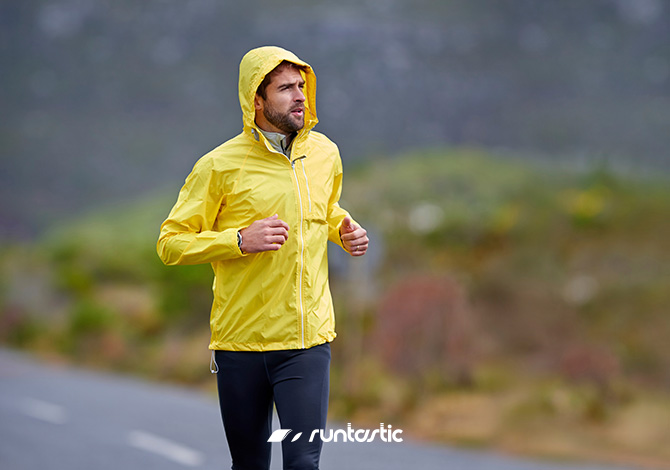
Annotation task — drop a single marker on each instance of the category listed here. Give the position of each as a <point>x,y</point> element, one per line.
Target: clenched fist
<point>267,234</point>
<point>354,238</point>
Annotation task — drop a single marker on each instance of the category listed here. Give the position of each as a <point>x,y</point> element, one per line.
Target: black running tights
<point>296,382</point>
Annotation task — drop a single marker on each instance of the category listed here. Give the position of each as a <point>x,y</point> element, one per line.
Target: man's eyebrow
<point>290,84</point>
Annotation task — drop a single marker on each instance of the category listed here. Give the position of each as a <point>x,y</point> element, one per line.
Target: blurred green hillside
<point>503,303</point>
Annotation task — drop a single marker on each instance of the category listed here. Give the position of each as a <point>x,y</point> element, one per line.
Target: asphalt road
<point>59,418</point>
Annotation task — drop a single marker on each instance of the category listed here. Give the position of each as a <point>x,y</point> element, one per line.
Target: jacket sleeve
<point>187,235</point>
<point>336,214</point>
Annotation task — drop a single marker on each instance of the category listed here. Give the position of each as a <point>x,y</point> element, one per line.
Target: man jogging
<point>261,208</point>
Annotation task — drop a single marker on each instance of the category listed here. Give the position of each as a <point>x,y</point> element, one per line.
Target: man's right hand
<point>267,234</point>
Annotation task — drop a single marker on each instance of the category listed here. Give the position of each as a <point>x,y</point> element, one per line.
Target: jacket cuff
<point>228,239</point>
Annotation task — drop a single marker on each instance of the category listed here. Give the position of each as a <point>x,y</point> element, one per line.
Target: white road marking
<point>44,411</point>
<point>166,448</point>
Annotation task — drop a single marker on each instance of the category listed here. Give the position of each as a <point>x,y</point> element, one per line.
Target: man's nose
<point>299,96</point>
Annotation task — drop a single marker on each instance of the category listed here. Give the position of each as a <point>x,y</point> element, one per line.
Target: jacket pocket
<point>315,199</point>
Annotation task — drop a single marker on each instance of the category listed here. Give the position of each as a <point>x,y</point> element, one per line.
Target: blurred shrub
<point>17,328</point>
<point>185,293</point>
<point>89,317</point>
<point>425,329</point>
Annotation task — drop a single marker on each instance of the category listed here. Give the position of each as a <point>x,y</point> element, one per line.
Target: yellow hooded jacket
<point>277,299</point>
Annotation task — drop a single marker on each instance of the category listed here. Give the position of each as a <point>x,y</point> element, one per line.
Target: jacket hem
<point>276,346</point>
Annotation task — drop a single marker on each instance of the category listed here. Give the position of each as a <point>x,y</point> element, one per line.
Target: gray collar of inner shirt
<point>279,141</point>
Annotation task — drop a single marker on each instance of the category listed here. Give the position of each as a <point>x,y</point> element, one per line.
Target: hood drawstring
<point>213,366</point>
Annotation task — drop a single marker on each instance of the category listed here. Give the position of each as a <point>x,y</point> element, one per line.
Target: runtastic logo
<point>386,434</point>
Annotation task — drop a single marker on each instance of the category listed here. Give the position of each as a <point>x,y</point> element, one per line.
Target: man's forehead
<point>286,73</point>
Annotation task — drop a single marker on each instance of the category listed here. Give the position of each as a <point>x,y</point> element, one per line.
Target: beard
<point>284,121</point>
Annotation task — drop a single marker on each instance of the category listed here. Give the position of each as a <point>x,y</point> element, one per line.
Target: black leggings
<point>296,381</point>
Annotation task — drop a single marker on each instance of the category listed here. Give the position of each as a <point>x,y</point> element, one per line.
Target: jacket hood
<point>255,65</point>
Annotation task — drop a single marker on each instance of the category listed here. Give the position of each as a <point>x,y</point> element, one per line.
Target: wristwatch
<point>239,241</point>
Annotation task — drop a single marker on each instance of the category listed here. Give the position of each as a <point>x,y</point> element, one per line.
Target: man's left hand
<point>354,238</point>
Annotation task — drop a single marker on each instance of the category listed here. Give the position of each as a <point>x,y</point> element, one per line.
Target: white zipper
<point>309,197</point>
<point>302,258</point>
